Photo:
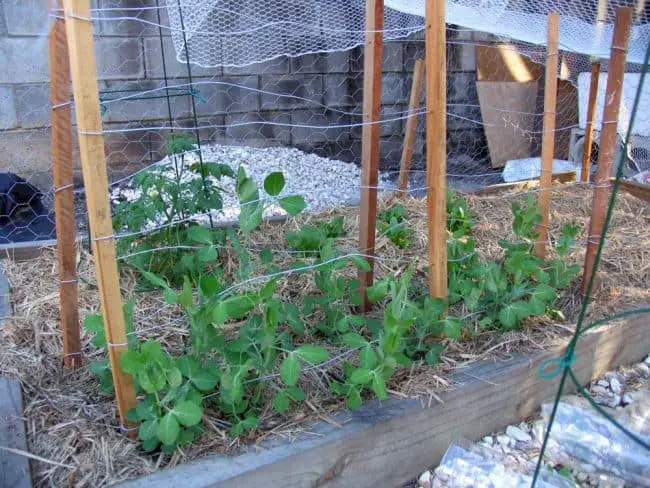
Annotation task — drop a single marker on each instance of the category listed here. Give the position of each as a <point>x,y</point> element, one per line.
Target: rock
<point>614,401</point>
<point>587,468</point>
<point>643,369</point>
<point>582,477</point>
<point>517,434</point>
<point>603,383</point>
<point>615,385</point>
<point>647,360</point>
<point>627,399</point>
<point>424,480</point>
<point>525,427</point>
<point>488,441</point>
<point>600,391</point>
<point>503,440</point>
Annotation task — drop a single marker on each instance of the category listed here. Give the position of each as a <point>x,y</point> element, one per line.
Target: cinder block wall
<point>320,91</point>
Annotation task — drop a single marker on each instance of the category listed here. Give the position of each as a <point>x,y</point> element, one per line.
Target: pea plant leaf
<point>274,183</point>
<point>293,204</point>
<point>168,429</point>
<point>281,402</point>
<point>188,413</point>
<point>290,369</point>
<point>312,354</point>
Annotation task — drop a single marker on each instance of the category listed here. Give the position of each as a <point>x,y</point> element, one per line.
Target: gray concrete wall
<point>321,89</point>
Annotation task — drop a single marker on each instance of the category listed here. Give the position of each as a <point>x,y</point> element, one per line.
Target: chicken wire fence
<point>291,101</point>
<point>302,114</point>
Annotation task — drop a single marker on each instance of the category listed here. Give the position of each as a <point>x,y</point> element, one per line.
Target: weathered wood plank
<point>370,137</point>
<point>386,444</point>
<point>638,190</point>
<point>548,135</point>
<point>608,139</point>
<point>93,161</point>
<point>411,127</point>
<point>436,139</point>
<point>64,191</point>
<point>14,468</point>
<point>558,178</point>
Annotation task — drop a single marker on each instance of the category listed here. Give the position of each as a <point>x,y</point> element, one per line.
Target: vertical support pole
<point>589,127</point>
<point>370,135</point>
<point>548,134</point>
<point>608,136</point>
<point>411,126</point>
<point>91,143</point>
<point>436,137</point>
<point>64,191</point>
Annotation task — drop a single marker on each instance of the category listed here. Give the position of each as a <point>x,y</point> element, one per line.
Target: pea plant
<point>249,346</point>
<point>392,223</point>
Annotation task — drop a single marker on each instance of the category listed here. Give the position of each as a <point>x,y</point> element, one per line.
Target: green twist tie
<point>197,94</point>
<point>558,365</point>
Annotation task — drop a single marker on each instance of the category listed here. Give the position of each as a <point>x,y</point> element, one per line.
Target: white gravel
<point>323,183</point>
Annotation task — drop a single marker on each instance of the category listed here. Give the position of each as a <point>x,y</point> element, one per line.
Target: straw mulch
<point>71,424</point>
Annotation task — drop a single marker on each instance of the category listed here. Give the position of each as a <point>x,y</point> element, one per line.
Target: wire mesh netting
<point>191,91</point>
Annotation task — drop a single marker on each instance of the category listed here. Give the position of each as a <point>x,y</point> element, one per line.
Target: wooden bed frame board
<point>388,443</point>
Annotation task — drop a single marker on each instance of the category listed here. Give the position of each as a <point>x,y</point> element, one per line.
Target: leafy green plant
<point>392,223</point>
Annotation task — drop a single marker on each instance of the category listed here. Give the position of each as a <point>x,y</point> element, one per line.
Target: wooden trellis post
<point>91,143</point>
<point>411,126</point>
<point>548,136</point>
<point>589,127</point>
<point>436,100</point>
<point>61,138</point>
<point>607,138</point>
<point>370,137</point>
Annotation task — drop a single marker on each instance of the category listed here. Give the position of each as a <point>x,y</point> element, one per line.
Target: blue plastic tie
<point>559,365</point>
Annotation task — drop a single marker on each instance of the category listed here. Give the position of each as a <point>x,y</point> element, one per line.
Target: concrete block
<point>394,88</point>
<point>119,58</point>
<point>319,126</point>
<point>27,153</point>
<point>461,88</point>
<point>259,128</point>
<point>334,62</point>
<point>392,115</point>
<point>463,117</point>
<point>8,118</point>
<point>390,153</point>
<point>14,468</point>
<point>393,57</point>
<point>33,105</point>
<point>343,90</point>
<point>291,91</point>
<point>118,107</point>
<point>227,95</point>
<point>129,22</point>
<point>153,60</point>
<point>461,56</point>
<point>23,60</point>
<point>126,151</point>
<point>26,17</point>
<point>277,66</point>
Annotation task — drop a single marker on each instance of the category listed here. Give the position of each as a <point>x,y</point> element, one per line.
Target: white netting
<point>241,32</point>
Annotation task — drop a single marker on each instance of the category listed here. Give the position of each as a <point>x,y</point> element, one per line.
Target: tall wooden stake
<point>589,128</point>
<point>436,137</point>
<point>63,191</point>
<point>371,132</point>
<point>93,160</point>
<point>608,136</point>
<point>548,135</point>
<point>411,126</point>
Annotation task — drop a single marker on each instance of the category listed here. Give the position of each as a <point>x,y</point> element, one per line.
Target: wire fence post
<point>608,137</point>
<point>436,143</point>
<point>370,138</point>
<point>548,135</point>
<point>589,127</point>
<point>91,142</point>
<point>61,139</point>
<point>411,126</point>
